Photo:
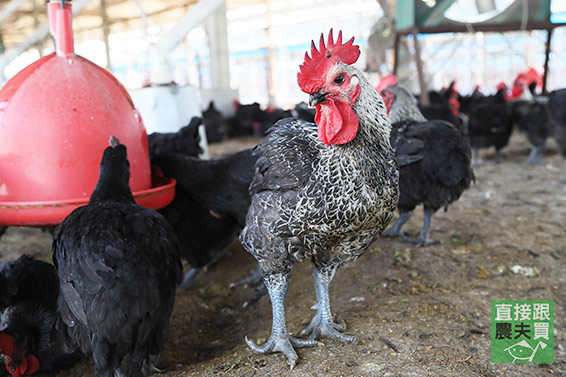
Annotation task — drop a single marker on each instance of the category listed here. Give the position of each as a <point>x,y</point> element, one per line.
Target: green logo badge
<point>522,331</point>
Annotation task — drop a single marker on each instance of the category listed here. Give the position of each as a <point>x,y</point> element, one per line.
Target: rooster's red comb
<point>389,80</point>
<point>314,69</point>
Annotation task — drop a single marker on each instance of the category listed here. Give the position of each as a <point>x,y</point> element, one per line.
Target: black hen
<point>490,124</point>
<point>467,102</point>
<point>434,161</point>
<point>532,118</point>
<point>210,204</point>
<point>440,111</point>
<point>252,120</point>
<point>118,265</point>
<point>302,111</point>
<point>215,125</point>
<point>557,109</point>
<point>243,122</point>
<point>32,336</point>
<point>443,106</point>
<point>185,141</point>
<point>269,117</point>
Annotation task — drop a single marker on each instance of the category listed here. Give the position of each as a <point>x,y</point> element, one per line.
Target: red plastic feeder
<point>56,116</point>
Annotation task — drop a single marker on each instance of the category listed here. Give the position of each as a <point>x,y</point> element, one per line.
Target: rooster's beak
<point>316,98</point>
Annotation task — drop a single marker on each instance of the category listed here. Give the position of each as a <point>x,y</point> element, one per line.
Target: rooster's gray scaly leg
<point>322,324</point>
<point>280,340</point>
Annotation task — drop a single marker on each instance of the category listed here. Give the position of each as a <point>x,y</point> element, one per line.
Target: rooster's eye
<point>339,80</point>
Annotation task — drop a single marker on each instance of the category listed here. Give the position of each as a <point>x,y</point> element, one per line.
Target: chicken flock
<point>321,186</point>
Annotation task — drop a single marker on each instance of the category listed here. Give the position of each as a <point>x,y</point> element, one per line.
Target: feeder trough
<point>56,117</point>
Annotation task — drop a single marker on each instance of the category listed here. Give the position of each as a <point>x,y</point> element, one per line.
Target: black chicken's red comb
<point>7,344</point>
<point>314,69</point>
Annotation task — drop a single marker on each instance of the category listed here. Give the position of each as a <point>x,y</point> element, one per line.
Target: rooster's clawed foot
<point>283,344</point>
<point>327,328</point>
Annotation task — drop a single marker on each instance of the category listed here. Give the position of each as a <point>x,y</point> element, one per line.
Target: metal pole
<point>194,17</point>
<point>270,57</point>
<point>105,33</point>
<point>424,92</point>
<point>546,60</point>
<point>37,36</point>
<point>10,8</point>
<point>216,30</point>
<point>159,53</point>
<point>396,53</point>
<point>39,44</point>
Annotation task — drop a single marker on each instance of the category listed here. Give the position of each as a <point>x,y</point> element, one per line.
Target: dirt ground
<point>417,312</point>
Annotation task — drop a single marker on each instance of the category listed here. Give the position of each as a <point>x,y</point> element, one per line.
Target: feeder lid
<point>56,116</point>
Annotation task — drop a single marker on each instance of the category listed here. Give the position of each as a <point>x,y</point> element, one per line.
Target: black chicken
<point>210,204</point>
<point>321,193</point>
<point>557,109</point>
<point>118,266</point>
<point>244,121</point>
<point>532,118</point>
<point>3,230</point>
<point>32,337</point>
<point>302,111</point>
<point>467,102</point>
<point>269,117</point>
<point>185,141</point>
<point>490,124</point>
<point>434,161</point>
<point>252,120</point>
<point>441,111</point>
<point>215,125</point>
<point>443,106</point>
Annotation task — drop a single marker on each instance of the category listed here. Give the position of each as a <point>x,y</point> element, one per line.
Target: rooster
<point>118,266</point>
<point>321,191</point>
<point>434,161</point>
<point>32,336</point>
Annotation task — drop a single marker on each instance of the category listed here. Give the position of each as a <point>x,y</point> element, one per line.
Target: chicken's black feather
<point>211,201</point>
<point>490,122</point>
<point>215,125</point>
<point>557,109</point>
<point>185,141</point>
<point>434,161</point>
<point>29,292</point>
<point>118,266</point>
